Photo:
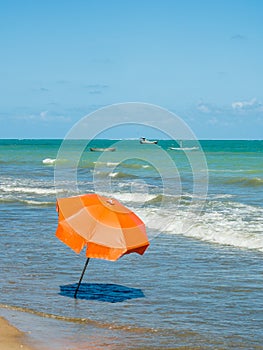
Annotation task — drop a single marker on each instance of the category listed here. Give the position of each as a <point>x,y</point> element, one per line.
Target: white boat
<point>109,149</point>
<point>181,148</point>
<point>145,141</point>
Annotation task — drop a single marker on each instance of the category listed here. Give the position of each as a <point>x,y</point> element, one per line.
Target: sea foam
<point>49,161</point>
<point>236,225</point>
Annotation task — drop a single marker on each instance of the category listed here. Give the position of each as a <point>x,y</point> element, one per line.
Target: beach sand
<point>11,338</point>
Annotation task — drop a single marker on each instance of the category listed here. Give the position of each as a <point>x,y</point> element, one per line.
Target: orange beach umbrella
<point>107,228</point>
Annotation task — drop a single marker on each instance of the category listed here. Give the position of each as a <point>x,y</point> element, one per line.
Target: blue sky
<point>61,60</point>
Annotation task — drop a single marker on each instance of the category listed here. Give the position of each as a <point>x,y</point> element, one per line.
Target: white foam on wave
<point>29,190</point>
<point>49,161</point>
<point>37,203</point>
<point>238,225</point>
<point>134,197</point>
<point>108,164</point>
<point>226,170</point>
<point>220,195</point>
<point>14,199</point>
<point>136,184</point>
<point>113,174</point>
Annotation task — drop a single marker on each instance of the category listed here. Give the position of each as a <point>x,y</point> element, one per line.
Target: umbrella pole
<point>83,271</point>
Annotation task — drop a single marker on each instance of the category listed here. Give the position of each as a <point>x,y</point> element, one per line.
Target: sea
<point>199,285</point>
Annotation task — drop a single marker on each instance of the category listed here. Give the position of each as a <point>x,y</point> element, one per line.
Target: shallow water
<point>199,288</point>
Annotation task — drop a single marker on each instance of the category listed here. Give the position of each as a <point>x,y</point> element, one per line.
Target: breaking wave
<point>49,161</point>
<point>232,224</point>
<point>26,201</point>
<point>245,181</point>
<point>28,190</point>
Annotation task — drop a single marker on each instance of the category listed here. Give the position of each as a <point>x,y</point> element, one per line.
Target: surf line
<point>48,315</point>
<point>77,320</point>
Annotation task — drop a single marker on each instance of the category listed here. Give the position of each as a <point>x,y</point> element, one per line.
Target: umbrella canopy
<point>108,228</point>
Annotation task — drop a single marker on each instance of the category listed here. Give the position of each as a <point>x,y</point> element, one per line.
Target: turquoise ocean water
<point>199,284</point>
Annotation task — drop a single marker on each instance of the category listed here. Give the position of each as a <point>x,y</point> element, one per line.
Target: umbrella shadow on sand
<point>111,293</point>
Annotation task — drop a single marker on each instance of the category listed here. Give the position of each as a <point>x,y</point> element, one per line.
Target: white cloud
<point>208,108</point>
<point>252,104</point>
<point>236,107</point>
<point>202,107</point>
<point>43,115</point>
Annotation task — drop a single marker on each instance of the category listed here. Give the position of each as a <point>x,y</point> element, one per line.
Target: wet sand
<point>11,338</point>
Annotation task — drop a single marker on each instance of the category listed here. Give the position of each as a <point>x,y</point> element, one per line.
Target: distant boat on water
<point>181,148</point>
<point>108,149</point>
<point>145,141</point>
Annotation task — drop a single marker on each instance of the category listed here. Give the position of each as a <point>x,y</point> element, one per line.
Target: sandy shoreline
<point>11,338</point>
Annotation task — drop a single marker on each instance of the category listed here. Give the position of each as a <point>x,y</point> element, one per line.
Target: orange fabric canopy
<point>108,228</point>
